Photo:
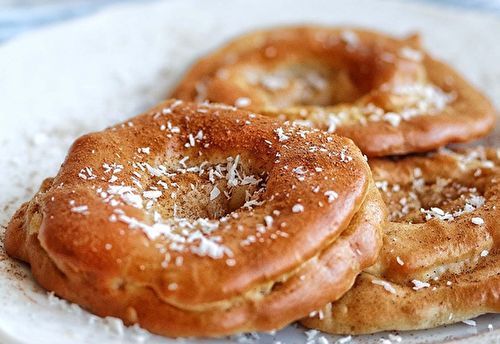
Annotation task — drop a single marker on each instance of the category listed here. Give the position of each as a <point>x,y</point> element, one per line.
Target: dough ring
<point>440,261</point>
<point>202,220</point>
<point>386,94</point>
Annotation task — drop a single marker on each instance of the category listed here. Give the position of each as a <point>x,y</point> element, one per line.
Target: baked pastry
<point>202,220</point>
<point>440,261</point>
<point>386,94</point>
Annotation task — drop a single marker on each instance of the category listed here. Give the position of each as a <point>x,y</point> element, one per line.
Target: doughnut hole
<point>305,84</point>
<point>420,200</point>
<point>204,190</point>
<point>322,80</point>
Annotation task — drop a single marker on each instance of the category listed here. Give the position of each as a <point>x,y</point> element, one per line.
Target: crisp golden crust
<point>386,94</point>
<point>440,259</point>
<point>199,220</point>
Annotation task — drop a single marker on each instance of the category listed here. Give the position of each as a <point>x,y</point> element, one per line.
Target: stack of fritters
<point>201,219</point>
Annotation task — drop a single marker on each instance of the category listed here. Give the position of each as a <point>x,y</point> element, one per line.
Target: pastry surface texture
<point>440,261</point>
<point>386,94</point>
<point>202,220</point>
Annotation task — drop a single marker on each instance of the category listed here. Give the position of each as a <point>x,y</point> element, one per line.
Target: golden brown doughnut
<point>440,261</point>
<point>386,94</point>
<point>202,220</point>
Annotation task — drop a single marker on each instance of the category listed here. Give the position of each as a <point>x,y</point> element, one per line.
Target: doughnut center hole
<point>206,190</point>
<point>305,85</point>
<point>421,200</point>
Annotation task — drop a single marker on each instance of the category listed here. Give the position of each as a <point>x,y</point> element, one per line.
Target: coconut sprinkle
<point>332,195</point>
<point>469,322</point>
<point>242,102</point>
<point>214,193</point>
<point>281,135</point>
<point>419,284</point>
<point>477,221</point>
<point>83,209</point>
<point>387,286</point>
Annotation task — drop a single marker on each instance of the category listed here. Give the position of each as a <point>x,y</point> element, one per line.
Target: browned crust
<point>471,116</point>
<point>468,117</point>
<point>327,276</point>
<point>67,252</point>
<point>457,295</point>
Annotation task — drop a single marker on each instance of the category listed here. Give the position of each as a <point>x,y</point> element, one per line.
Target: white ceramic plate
<point>63,81</point>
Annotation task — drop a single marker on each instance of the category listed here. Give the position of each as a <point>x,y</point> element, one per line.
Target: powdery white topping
<point>344,340</point>
<point>87,174</point>
<point>82,209</point>
<point>430,94</point>
<point>472,203</point>
<point>281,135</point>
<point>420,99</point>
<point>153,171</point>
<point>311,334</point>
<point>315,80</point>
<point>400,261</point>
<point>393,118</point>
<point>344,157</point>
<point>333,121</point>
<point>208,247</point>
<point>144,150</point>
<point>477,221</point>
<point>269,220</point>
<point>472,157</point>
<point>153,194</point>
<point>322,340</point>
<point>332,195</point>
<point>382,185</point>
<point>116,325</point>
<point>214,193</point>
<point>411,54</point>
<point>350,37</point>
<point>298,208</point>
<point>419,284</point>
<point>387,286</point>
<point>274,82</point>
<point>395,338</point>
<point>175,104</point>
<point>126,194</point>
<point>201,245</point>
<point>438,213</point>
<point>242,102</point>
<point>299,170</point>
<point>469,322</point>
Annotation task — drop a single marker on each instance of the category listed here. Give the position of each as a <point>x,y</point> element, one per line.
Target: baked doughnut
<point>386,94</point>
<point>440,261</point>
<point>202,220</point>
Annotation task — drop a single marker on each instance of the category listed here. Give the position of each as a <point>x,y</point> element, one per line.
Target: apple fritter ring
<point>386,94</point>
<point>202,220</point>
<point>440,261</point>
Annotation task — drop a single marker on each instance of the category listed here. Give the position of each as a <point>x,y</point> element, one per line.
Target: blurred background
<point>18,16</point>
